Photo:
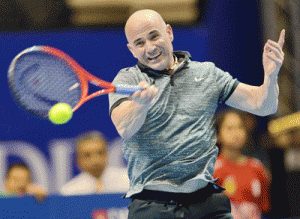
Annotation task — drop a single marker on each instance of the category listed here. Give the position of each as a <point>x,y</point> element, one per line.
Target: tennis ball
<point>60,113</point>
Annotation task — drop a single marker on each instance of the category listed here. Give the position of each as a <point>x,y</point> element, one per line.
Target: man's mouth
<point>154,57</point>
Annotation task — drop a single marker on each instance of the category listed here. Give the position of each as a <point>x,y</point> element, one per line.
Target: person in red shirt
<point>246,180</point>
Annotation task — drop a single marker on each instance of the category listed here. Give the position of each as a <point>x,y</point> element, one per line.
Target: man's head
<point>18,177</point>
<point>91,151</point>
<point>150,39</point>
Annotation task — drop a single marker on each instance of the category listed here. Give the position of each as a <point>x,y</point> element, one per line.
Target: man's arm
<point>262,100</point>
<point>130,115</point>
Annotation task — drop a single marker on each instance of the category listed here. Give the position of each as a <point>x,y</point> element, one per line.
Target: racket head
<point>39,79</point>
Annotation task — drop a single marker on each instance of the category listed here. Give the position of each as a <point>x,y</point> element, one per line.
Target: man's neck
<point>174,65</point>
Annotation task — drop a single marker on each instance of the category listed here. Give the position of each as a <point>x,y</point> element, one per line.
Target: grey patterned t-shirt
<point>175,149</point>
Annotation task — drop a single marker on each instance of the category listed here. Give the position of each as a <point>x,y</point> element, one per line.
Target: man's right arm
<point>130,115</point>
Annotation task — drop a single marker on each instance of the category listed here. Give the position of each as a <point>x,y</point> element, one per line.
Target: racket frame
<point>84,76</point>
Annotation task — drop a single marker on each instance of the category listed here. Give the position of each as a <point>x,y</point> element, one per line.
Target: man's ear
<point>170,32</point>
<point>131,50</point>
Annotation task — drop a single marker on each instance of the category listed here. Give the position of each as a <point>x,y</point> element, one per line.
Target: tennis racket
<point>42,76</point>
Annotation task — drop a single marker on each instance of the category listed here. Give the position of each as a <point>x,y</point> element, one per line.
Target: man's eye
<point>154,37</point>
<point>139,44</point>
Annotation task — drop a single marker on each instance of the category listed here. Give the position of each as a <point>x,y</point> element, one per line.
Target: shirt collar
<point>182,56</point>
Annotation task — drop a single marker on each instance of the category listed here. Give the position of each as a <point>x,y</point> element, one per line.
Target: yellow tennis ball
<point>60,113</point>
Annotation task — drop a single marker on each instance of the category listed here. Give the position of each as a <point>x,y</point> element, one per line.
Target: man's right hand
<point>146,95</point>
<point>130,115</point>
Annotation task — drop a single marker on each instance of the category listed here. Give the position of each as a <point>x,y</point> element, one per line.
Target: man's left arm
<point>262,100</point>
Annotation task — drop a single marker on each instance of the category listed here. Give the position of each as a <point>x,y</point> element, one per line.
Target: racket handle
<point>127,89</point>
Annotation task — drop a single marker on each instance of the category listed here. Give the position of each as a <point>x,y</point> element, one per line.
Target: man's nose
<point>150,47</point>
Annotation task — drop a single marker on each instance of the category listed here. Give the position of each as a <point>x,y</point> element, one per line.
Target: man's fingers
<point>143,84</point>
<point>146,95</point>
<point>153,89</point>
<point>281,38</point>
<point>274,44</point>
<point>274,47</point>
<point>271,45</point>
<point>150,92</point>
<point>275,59</point>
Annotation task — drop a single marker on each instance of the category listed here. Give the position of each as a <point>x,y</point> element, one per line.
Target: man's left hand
<point>273,56</point>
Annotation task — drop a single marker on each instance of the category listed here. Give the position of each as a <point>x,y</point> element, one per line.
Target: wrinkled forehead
<point>143,24</point>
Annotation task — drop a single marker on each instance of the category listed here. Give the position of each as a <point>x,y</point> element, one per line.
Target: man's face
<point>17,180</point>
<point>150,41</point>
<point>92,157</point>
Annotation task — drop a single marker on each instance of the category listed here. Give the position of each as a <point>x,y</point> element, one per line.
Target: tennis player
<point>168,131</point>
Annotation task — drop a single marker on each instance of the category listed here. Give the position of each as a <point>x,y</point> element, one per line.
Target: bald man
<point>167,128</point>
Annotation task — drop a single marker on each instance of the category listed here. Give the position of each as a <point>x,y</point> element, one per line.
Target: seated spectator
<point>18,182</point>
<point>246,180</point>
<point>284,154</point>
<point>96,176</point>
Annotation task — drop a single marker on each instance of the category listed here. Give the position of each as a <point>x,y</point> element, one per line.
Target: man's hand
<point>262,100</point>
<point>273,56</point>
<point>130,115</point>
<point>146,95</point>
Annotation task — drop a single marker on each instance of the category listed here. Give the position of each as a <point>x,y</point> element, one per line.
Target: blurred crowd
<point>259,168</point>
<point>96,175</point>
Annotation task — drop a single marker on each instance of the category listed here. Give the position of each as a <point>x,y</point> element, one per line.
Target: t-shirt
<point>247,185</point>
<point>114,180</point>
<point>175,149</point>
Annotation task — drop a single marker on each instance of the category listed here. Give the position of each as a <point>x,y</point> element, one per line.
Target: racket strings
<point>42,80</point>
<point>52,84</point>
<point>44,84</point>
<point>57,85</point>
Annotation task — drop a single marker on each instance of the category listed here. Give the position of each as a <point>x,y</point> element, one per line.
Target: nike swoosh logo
<point>198,79</point>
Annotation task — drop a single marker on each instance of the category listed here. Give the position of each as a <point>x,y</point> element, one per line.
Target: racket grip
<point>127,89</point>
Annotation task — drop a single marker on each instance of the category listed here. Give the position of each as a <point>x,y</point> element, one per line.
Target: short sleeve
<point>225,82</point>
<point>128,76</point>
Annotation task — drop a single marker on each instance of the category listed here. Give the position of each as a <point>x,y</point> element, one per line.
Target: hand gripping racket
<point>42,76</point>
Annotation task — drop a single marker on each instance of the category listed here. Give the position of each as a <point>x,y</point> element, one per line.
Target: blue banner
<point>106,206</point>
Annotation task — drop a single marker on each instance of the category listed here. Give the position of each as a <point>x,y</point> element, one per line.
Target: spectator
<point>18,182</point>
<point>284,155</point>
<point>96,176</point>
<point>245,179</point>
<point>275,147</point>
